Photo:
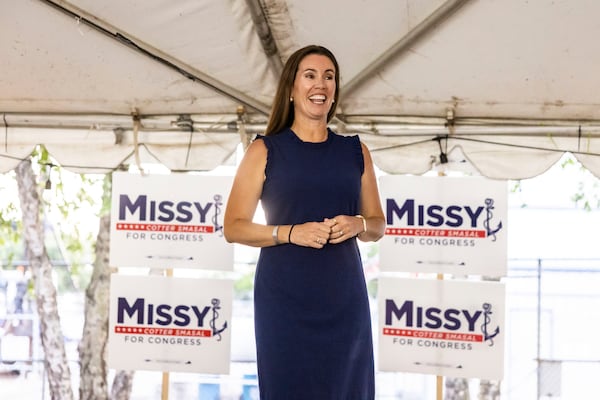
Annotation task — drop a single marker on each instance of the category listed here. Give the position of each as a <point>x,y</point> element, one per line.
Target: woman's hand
<point>311,234</point>
<point>343,227</point>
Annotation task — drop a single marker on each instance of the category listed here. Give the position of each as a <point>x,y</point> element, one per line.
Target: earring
<point>291,99</point>
<point>332,101</point>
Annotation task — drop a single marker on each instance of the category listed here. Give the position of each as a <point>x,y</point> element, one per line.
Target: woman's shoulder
<point>274,137</point>
<point>351,139</point>
<point>269,143</point>
<point>257,145</point>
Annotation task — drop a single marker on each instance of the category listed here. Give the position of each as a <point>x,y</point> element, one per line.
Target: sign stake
<point>165,375</point>
<point>439,379</point>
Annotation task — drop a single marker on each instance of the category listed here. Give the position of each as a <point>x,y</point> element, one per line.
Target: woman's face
<point>314,87</point>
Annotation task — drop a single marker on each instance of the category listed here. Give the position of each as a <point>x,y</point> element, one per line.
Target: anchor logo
<point>487,336</point>
<point>489,206</point>
<point>218,203</point>
<point>216,306</point>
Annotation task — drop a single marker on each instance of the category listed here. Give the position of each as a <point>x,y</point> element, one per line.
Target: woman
<point>319,193</point>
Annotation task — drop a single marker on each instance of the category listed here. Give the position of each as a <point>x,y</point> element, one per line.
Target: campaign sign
<point>449,328</point>
<point>444,225</point>
<point>170,324</point>
<point>169,221</point>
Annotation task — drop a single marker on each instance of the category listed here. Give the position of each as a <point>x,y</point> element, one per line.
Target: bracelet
<point>275,234</point>
<point>364,221</point>
<point>290,234</point>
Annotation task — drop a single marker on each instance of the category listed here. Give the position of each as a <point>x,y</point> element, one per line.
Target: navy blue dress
<point>312,319</point>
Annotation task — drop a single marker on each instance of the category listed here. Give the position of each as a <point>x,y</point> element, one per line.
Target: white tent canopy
<point>507,85</point>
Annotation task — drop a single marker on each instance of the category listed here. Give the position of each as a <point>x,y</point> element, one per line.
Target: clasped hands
<point>330,230</point>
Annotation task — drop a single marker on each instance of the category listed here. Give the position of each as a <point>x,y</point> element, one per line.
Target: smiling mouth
<point>318,99</point>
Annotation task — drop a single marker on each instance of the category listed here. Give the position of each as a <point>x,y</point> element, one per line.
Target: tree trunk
<point>55,358</point>
<point>457,389</point>
<point>122,384</point>
<point>92,348</point>
<point>489,390</point>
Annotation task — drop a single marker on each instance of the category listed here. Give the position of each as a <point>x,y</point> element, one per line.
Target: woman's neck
<point>310,131</point>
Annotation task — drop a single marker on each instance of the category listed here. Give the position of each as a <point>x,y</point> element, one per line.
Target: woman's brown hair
<point>282,112</point>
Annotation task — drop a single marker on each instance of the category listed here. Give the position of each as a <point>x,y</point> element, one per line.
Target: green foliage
<point>516,186</point>
<point>10,221</point>
<point>372,287</point>
<point>578,185</point>
<point>71,204</point>
<point>244,286</point>
<point>587,195</point>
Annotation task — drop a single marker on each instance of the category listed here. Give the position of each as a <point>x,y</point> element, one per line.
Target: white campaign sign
<point>444,225</point>
<point>170,324</point>
<point>449,328</point>
<point>169,221</point>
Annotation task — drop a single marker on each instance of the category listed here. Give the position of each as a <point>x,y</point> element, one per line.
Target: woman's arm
<point>369,225</point>
<point>370,203</point>
<point>243,200</point>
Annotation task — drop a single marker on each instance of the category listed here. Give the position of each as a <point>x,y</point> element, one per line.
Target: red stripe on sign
<point>126,226</point>
<point>459,233</point>
<point>144,330</point>
<point>461,337</point>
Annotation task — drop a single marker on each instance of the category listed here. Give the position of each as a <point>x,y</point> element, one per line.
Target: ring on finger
<point>341,233</point>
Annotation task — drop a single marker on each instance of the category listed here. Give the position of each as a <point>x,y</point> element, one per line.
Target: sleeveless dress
<point>312,318</point>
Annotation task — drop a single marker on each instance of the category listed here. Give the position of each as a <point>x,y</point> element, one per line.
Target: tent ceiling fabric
<point>504,86</point>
